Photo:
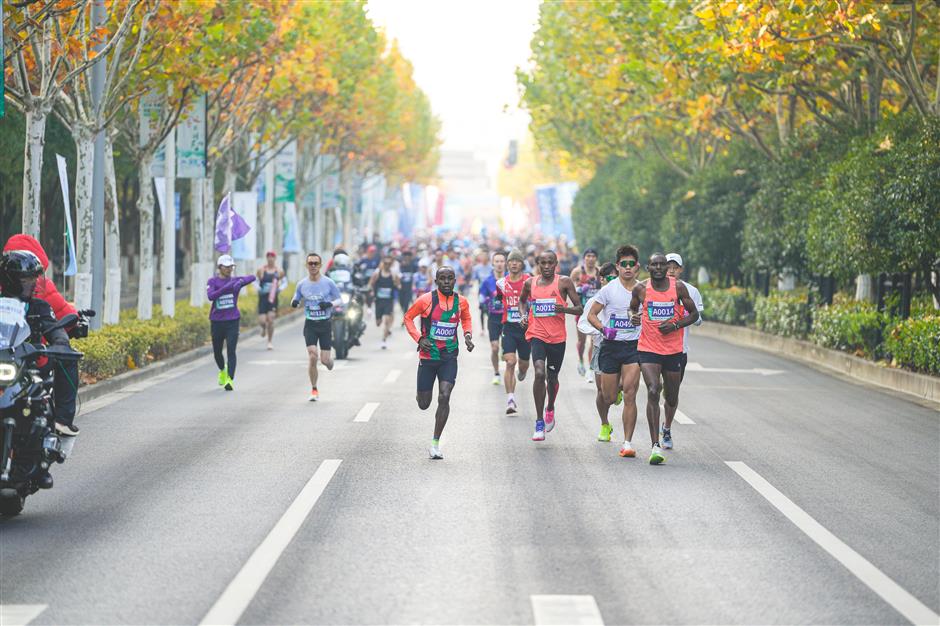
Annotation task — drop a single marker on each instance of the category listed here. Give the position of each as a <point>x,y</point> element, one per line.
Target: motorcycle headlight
<point>345,297</point>
<point>8,372</point>
<point>352,314</point>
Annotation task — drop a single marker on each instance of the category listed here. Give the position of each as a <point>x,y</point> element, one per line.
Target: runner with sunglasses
<point>674,269</point>
<point>667,307</point>
<point>318,294</point>
<point>619,359</point>
<point>547,293</point>
<point>608,273</point>
<point>587,278</point>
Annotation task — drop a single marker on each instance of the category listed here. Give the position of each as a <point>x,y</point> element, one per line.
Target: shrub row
<point>847,325</point>
<point>134,343</point>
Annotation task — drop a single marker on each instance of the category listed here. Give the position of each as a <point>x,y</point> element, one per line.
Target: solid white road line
<point>365,413</point>
<point>904,603</point>
<point>238,595</point>
<point>549,610</point>
<point>391,377</point>
<point>20,614</point>
<point>698,367</point>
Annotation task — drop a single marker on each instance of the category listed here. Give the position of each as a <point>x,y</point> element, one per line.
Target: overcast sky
<point>465,53</point>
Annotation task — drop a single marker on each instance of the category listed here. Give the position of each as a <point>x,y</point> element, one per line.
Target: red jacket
<point>45,288</point>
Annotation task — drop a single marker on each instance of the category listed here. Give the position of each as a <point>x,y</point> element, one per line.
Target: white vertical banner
<point>285,173</point>
<point>70,265</point>
<point>159,183</point>
<point>150,111</point>
<point>245,203</point>
<point>191,140</point>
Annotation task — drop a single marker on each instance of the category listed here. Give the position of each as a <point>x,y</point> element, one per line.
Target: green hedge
<point>855,327</point>
<point>728,306</point>
<point>785,314</point>
<point>915,343</point>
<point>133,343</point>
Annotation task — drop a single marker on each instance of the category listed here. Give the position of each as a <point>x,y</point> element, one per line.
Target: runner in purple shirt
<point>224,316</point>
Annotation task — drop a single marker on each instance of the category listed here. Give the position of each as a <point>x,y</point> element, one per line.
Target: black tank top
<point>384,287</point>
<point>267,278</point>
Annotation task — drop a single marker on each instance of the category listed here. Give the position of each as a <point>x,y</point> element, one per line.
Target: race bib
<point>341,276</point>
<point>315,313</point>
<point>495,306</point>
<point>544,307</point>
<point>225,301</point>
<point>513,314</point>
<point>384,293</point>
<point>661,311</point>
<point>265,288</point>
<point>406,277</point>
<point>620,323</point>
<point>443,331</point>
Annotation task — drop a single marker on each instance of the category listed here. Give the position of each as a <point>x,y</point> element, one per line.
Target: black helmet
<point>14,267</point>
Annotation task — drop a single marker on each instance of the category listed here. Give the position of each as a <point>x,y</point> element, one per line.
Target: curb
<point>125,379</point>
<point>921,386</point>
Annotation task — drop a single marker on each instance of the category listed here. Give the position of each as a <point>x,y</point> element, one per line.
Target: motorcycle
<point>30,442</point>
<point>347,321</point>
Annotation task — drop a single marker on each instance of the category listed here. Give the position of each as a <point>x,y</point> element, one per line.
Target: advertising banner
<point>245,203</point>
<point>191,141</point>
<point>285,173</point>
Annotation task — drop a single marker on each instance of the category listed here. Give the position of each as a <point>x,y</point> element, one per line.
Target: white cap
<point>226,260</point>
<point>672,256</point>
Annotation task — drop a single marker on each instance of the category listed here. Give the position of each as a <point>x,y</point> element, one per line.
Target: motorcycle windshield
<point>14,329</point>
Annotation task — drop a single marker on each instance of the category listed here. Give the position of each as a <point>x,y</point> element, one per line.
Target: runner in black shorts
<point>319,295</point>
<point>443,314</point>
<point>493,305</point>
<point>384,282</point>
<point>516,347</point>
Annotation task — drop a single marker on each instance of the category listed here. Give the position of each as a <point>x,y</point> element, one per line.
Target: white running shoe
<point>435,452</point>
<point>383,345</point>
<point>589,377</point>
<point>580,369</point>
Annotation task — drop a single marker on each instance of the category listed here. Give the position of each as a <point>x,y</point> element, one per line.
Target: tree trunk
<point>145,217</point>
<point>32,169</point>
<point>197,282</point>
<point>84,171</point>
<point>112,239</point>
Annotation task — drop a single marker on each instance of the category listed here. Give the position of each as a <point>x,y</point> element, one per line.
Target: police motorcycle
<point>348,323</point>
<point>30,442</point>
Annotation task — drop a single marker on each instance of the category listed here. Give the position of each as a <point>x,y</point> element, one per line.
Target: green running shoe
<point>619,398</point>
<point>604,435</point>
<point>222,376</point>
<point>229,383</point>
<point>656,456</point>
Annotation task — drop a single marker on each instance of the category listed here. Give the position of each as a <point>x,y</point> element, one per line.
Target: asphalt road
<point>794,497</point>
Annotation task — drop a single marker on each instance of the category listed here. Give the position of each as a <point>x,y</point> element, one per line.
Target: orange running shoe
<point>314,395</point>
<point>626,451</point>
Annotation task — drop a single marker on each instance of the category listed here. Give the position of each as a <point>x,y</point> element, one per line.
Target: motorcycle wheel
<point>339,339</point>
<point>11,506</point>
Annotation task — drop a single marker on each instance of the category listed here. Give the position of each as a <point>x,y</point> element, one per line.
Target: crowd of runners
<point>627,328</point>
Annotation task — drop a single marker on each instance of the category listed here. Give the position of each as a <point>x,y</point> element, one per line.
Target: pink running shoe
<point>549,420</point>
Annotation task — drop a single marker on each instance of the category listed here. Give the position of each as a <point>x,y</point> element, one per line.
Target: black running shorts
<point>668,362</point>
<point>319,331</point>
<point>494,325</point>
<point>443,370</point>
<point>552,353</point>
<point>514,341</point>
<point>383,307</point>
<point>616,354</point>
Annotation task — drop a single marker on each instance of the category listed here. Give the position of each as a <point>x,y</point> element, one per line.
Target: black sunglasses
<point>313,263</point>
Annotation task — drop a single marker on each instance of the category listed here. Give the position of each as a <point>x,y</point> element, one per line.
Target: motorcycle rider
<point>19,272</point>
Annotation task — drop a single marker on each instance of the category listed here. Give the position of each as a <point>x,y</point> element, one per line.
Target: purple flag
<point>229,226</point>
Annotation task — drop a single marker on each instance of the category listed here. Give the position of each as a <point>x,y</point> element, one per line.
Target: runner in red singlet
<point>516,347</point>
<point>660,346</point>
<point>544,297</point>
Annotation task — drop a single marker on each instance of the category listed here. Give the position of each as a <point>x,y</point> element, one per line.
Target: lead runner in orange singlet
<point>545,295</point>
<point>660,345</point>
